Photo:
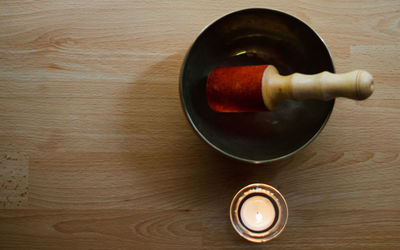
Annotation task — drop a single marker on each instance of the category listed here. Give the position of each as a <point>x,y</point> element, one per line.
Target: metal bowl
<point>251,37</point>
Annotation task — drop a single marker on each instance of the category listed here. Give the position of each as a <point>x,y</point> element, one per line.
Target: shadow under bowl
<point>253,37</point>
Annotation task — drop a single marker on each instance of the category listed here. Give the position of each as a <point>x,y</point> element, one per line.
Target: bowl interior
<point>251,37</point>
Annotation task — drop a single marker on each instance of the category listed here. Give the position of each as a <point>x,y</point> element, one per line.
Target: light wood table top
<point>96,153</point>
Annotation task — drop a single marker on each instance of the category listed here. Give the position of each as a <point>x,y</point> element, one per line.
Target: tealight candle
<point>258,213</point>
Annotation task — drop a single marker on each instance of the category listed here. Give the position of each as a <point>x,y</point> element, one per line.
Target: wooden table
<point>96,153</point>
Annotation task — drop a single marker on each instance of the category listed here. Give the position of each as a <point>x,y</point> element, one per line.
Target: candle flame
<point>259,217</point>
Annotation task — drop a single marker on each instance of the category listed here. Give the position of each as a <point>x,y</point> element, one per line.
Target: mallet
<point>261,87</point>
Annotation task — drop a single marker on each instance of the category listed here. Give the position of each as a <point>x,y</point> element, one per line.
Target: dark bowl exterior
<point>253,37</point>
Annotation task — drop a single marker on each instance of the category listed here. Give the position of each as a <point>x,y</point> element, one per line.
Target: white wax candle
<point>257,213</point>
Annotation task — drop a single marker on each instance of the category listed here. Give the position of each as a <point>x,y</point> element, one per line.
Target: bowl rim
<point>184,108</point>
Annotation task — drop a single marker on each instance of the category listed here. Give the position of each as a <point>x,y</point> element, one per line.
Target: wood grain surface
<point>96,153</point>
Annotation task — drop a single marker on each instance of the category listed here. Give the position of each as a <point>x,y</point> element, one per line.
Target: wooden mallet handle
<point>357,85</point>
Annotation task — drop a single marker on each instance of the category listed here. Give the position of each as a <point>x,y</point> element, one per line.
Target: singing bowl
<point>253,37</point>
